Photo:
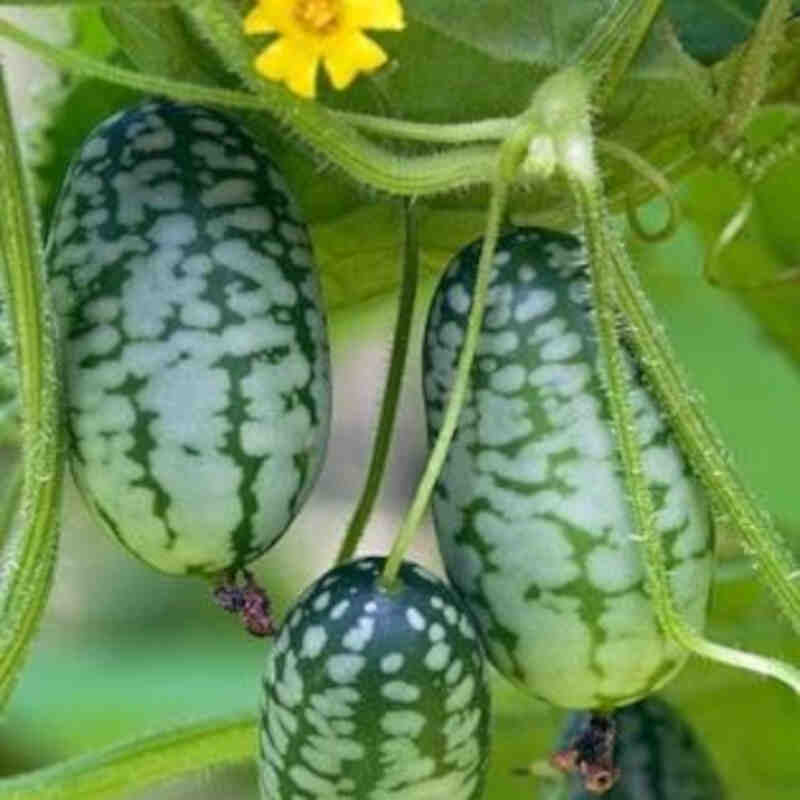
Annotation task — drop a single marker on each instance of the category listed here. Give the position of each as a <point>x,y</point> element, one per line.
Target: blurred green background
<point>123,650</point>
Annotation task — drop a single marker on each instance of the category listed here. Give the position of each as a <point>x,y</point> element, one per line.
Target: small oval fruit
<point>531,510</point>
<point>658,755</point>
<point>375,695</point>
<point>198,392</point>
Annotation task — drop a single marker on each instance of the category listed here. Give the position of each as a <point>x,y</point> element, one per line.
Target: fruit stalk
<point>30,552</point>
<point>391,395</point>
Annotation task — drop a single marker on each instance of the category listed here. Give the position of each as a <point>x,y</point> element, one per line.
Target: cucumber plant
<point>508,104</point>
<point>531,508</point>
<point>196,355</point>
<point>376,692</point>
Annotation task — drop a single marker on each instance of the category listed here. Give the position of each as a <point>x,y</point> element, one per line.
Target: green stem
<point>775,565</point>
<point>139,764</point>
<point>335,140</point>
<point>752,77</point>
<point>10,502</point>
<point>391,395</point>
<point>656,571</point>
<point>653,176</point>
<point>458,391</point>
<point>601,244</point>
<point>10,433</point>
<point>30,553</point>
<point>485,130</point>
<point>607,52</point>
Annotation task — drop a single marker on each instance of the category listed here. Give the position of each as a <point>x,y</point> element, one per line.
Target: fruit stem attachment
<point>30,552</point>
<point>458,391</point>
<point>391,394</point>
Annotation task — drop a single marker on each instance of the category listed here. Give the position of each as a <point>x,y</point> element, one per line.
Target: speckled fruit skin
<point>375,695</point>
<point>195,343</point>
<point>659,757</point>
<point>531,510</point>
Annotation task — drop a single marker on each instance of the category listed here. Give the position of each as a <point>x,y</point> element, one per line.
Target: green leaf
<point>710,29</point>
<point>544,33</point>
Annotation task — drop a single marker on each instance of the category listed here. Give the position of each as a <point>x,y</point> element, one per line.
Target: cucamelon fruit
<point>198,393</point>
<point>375,694</point>
<point>531,510</point>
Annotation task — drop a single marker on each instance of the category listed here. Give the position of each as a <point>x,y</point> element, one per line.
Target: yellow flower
<point>321,30</point>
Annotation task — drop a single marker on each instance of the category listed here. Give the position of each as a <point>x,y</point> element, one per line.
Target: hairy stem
<point>700,441</point>
<point>337,142</point>
<point>672,622</point>
<point>391,395</point>
<point>752,77</point>
<point>139,763</point>
<point>607,52</point>
<point>10,501</point>
<point>485,130</point>
<point>30,552</point>
<point>332,138</point>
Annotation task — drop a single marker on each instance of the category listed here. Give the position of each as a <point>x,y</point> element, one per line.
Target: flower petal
<point>259,20</point>
<point>378,14</point>
<point>353,54</point>
<point>285,60</point>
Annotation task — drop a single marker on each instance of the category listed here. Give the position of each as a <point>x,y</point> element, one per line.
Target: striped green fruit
<point>375,695</point>
<point>531,509</point>
<point>659,757</point>
<point>195,343</point>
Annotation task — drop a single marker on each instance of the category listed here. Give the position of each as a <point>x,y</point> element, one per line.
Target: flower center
<point>317,16</point>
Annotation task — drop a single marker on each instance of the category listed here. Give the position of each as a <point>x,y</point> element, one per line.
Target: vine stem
<point>653,176</point>
<point>391,395</point>
<point>329,136</point>
<point>139,763</point>
<point>616,375</point>
<point>454,133</point>
<point>700,441</point>
<point>337,142</point>
<point>30,552</point>
<point>10,501</point>
<point>607,52</point>
<point>752,77</point>
<point>458,391</point>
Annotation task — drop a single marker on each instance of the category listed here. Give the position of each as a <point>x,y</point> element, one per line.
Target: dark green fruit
<point>659,757</point>
<point>531,509</point>
<point>196,350</point>
<point>375,694</point>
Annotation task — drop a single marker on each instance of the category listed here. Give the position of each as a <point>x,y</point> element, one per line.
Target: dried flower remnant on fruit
<point>331,31</point>
<point>250,601</point>
<point>591,754</point>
